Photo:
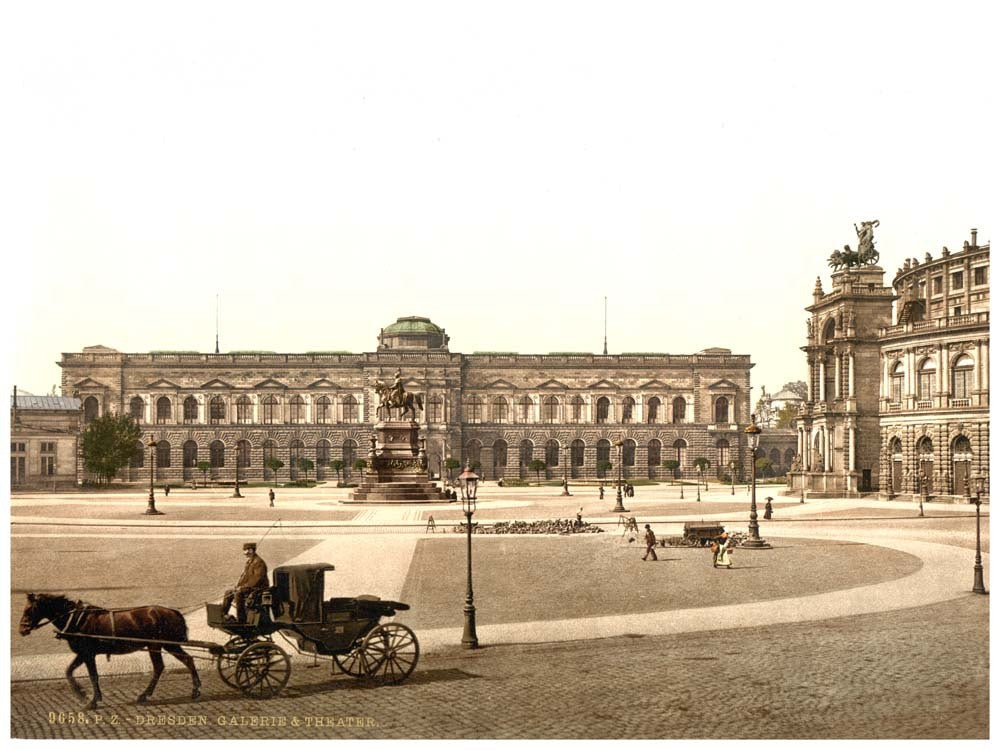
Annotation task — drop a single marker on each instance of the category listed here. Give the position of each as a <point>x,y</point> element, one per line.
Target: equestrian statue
<point>396,397</point>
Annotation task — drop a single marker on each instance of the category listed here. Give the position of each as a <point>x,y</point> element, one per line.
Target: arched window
<point>499,411</point>
<point>925,458</point>
<point>576,451</point>
<point>603,409</point>
<point>163,410</point>
<point>829,330</point>
<point>628,404</point>
<point>603,457</point>
<point>297,409</point>
<point>680,452</point>
<point>722,453</point>
<point>576,409</point>
<point>137,461</point>
<point>552,454</point>
<point>269,410</point>
<point>324,411</point>
<point>653,410</point>
<point>653,458</point>
<point>243,454</point>
<point>680,409</point>
<point>323,457</point>
<point>350,454</point>
<point>775,457</point>
<point>550,409</point>
<point>349,409</point>
<point>217,410</point>
<point>435,409</point>
<point>896,474</point>
<point>268,451</point>
<point>526,452</point>
<point>90,409</point>
<point>474,409</point>
<point>296,450</point>
<point>190,410</point>
<point>721,409</point>
<point>961,462</point>
<point>830,378</point>
<point>473,454</point>
<point>896,390</point>
<point>524,409</point>
<point>499,458</point>
<point>190,459</point>
<point>244,410</point>
<point>926,376</point>
<point>628,453</point>
<point>961,377</point>
<point>217,454</point>
<point>162,454</point>
<point>137,408</point>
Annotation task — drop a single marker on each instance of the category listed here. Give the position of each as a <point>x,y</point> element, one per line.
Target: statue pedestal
<point>398,469</point>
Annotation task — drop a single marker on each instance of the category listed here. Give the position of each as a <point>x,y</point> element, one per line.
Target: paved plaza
<point>858,623</point>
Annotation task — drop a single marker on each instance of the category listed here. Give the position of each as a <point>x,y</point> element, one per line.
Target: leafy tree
<point>451,463</point>
<point>763,465</point>
<point>274,464</point>
<point>798,387</point>
<point>361,465</point>
<point>786,416</point>
<point>108,444</point>
<point>537,465</point>
<point>203,467</point>
<point>603,467</point>
<point>338,466</point>
<point>672,465</point>
<point>306,465</point>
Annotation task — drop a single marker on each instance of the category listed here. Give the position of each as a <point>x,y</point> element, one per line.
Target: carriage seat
<point>261,598</point>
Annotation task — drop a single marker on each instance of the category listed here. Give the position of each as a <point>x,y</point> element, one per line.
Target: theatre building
<point>499,410</point>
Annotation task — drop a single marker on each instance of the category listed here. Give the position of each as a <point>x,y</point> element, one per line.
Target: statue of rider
<point>396,394</point>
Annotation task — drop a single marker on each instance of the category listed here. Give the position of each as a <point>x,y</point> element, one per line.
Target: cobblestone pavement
<point>914,673</point>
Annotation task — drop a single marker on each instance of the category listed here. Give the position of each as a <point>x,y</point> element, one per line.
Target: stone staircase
<point>398,492</point>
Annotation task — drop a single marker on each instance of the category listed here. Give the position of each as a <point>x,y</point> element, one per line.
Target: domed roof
<point>412,324</point>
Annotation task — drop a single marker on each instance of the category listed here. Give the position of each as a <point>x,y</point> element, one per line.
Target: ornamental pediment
<point>217,384</point>
<point>654,385</point>
<point>603,384</point>
<point>323,383</point>
<point>723,385</point>
<point>501,384</point>
<point>163,383</point>
<point>89,383</point>
<point>553,384</point>
<point>270,383</point>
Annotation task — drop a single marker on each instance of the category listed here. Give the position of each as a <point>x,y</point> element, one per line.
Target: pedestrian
<point>565,487</point>
<point>650,543</point>
<point>579,517</point>
<point>767,509</point>
<point>270,496</point>
<point>166,490</point>
<point>722,552</point>
<point>601,489</point>
<point>500,482</point>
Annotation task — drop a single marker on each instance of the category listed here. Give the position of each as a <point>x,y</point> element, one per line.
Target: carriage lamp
<point>151,505</point>
<point>753,440</point>
<point>979,484</point>
<point>619,508</point>
<point>469,481</point>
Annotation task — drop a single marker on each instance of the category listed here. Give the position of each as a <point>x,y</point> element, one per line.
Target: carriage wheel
<point>262,670</point>
<point>352,663</point>
<point>225,663</point>
<point>389,653</point>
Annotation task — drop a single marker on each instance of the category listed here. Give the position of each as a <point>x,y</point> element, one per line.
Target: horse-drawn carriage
<point>345,630</point>
<point>701,534</point>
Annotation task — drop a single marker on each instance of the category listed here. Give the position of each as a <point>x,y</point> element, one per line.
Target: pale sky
<point>326,168</point>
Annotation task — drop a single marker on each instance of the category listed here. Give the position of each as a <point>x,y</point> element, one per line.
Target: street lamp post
<point>732,477</point>
<point>753,438</point>
<point>469,480</point>
<point>239,460</point>
<point>151,505</point>
<point>681,470</point>
<point>699,482</point>
<point>978,587</point>
<point>619,508</point>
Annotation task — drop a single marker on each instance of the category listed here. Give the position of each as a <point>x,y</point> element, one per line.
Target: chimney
<point>974,231</point>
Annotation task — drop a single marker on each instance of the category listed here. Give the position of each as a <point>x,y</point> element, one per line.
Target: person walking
<point>650,543</point>
<point>270,497</point>
<point>767,509</point>
<point>722,552</point>
<point>166,490</point>
<point>601,489</point>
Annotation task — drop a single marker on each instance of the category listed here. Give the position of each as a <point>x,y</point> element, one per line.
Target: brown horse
<point>88,630</point>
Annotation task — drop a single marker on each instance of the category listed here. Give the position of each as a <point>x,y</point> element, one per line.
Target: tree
<point>763,465</point>
<point>361,465</point>
<point>203,467</point>
<point>338,466</point>
<point>786,416</point>
<point>274,464</point>
<point>603,467</point>
<point>672,465</point>
<point>108,444</point>
<point>702,463</point>
<point>537,465</point>
<point>451,463</point>
<point>306,465</point>
<point>798,387</point>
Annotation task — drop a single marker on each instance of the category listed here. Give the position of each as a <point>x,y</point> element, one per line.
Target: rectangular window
<point>897,389</point>
<point>979,275</point>
<point>957,311</point>
<point>926,385</point>
<point>937,285</point>
<point>956,280</point>
<point>960,383</point>
<point>48,467</point>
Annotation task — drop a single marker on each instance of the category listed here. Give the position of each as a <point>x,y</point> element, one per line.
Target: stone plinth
<point>397,468</point>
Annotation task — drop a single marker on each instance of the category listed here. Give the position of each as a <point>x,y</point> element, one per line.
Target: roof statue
<point>866,254</point>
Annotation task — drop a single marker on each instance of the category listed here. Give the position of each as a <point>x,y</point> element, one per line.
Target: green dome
<point>412,324</point>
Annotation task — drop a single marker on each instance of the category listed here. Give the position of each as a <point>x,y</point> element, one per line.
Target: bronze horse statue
<point>389,399</point>
<point>89,631</point>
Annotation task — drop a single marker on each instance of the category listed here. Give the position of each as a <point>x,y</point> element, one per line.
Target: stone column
<point>809,380</point>
<point>837,360</point>
<point>822,379</point>
<point>850,447</point>
<point>850,373</point>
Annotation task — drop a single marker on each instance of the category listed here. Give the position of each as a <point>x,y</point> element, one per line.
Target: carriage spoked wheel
<point>225,663</point>
<point>262,670</point>
<point>389,653</point>
<point>352,663</point>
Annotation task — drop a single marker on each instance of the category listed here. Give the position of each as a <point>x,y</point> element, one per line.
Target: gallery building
<point>44,436</point>
<point>500,410</point>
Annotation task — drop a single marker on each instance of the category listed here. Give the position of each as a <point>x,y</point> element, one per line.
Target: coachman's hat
<point>250,545</point>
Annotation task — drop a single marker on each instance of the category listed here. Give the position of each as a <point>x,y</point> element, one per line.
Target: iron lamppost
<point>469,481</point>
<point>753,439</point>
<point>151,505</point>
<point>732,477</point>
<point>239,460</point>
<point>619,508</point>
<point>979,482</point>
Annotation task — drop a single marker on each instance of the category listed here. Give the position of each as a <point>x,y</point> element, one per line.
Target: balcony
<point>937,324</point>
<point>896,406</point>
<point>925,404</point>
<point>960,402</point>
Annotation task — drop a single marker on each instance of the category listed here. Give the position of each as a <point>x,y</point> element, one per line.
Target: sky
<point>325,168</point>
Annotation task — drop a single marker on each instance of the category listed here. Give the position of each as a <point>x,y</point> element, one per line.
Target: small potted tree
<point>338,466</point>
<point>203,467</point>
<point>537,465</point>
<point>275,465</point>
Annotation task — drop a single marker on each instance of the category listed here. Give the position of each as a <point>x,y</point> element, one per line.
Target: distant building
<point>44,433</point>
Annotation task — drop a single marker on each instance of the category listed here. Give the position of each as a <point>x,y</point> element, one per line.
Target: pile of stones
<point>558,526</point>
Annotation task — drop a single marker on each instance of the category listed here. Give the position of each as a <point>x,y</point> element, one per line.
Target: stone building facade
<point>502,410</point>
<point>898,394</point>
<point>44,437</point>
